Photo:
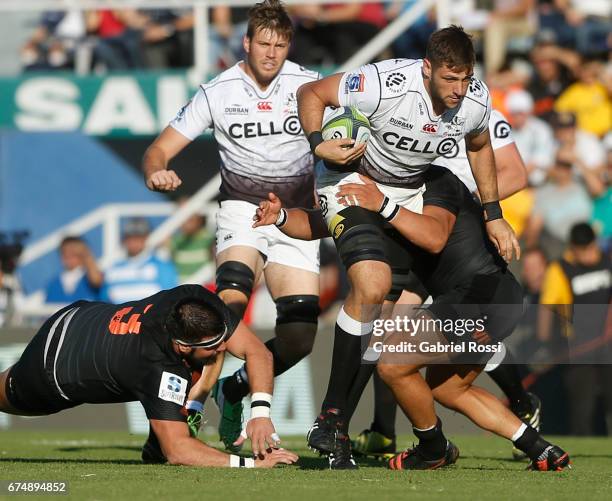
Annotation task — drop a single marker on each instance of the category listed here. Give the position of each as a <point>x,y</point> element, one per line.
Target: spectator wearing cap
<point>559,204</point>
<point>588,99</point>
<point>142,273</point>
<point>80,278</point>
<point>533,137</point>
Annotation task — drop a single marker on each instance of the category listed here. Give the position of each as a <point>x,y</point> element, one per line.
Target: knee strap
<point>235,275</point>
<point>298,308</point>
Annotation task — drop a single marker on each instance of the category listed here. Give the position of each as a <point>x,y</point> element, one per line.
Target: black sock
<point>531,443</point>
<point>346,360</point>
<point>236,387</point>
<point>385,409</point>
<point>361,380</point>
<point>432,442</point>
<point>507,377</point>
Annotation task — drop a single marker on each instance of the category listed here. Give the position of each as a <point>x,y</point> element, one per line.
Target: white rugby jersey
<point>260,139</point>
<point>457,161</point>
<point>406,133</point>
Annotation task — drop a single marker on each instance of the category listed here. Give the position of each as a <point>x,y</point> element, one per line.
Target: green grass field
<point>101,466</point>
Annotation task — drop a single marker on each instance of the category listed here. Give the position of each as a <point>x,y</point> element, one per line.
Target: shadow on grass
<point>131,448</point>
<point>322,463</point>
<point>75,461</point>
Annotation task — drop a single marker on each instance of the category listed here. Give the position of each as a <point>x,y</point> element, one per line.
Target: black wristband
<point>315,139</point>
<point>493,211</point>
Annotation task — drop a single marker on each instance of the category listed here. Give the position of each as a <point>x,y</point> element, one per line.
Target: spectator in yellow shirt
<point>588,99</point>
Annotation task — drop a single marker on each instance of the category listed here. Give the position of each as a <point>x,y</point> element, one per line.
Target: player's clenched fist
<point>163,180</point>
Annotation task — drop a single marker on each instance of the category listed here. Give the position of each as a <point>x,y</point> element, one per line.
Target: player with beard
<point>418,110</point>
<point>94,352</point>
<point>252,110</point>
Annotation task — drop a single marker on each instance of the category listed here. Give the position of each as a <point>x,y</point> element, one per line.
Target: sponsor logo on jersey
<point>236,109</point>
<point>355,82</point>
<point>323,205</point>
<point>421,110</point>
<point>336,227</point>
<point>448,148</point>
<point>430,128</point>
<point>406,143</point>
<point>396,82</point>
<point>290,99</point>
<point>502,129</point>
<point>248,130</point>
<point>180,115</point>
<point>476,88</point>
<point>401,122</point>
<point>590,282</point>
<point>172,388</point>
<point>264,106</point>
<point>227,237</point>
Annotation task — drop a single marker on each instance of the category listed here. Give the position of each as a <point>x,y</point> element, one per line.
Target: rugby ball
<point>346,122</point>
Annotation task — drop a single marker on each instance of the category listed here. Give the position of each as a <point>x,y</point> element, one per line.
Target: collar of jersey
<point>247,79</point>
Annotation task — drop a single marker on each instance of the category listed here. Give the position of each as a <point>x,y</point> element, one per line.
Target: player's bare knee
<point>389,373</point>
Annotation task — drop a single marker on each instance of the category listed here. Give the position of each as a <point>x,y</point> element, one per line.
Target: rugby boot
<point>412,459</point>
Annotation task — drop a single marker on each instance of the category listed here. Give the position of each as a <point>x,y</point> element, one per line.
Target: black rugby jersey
<point>118,353</point>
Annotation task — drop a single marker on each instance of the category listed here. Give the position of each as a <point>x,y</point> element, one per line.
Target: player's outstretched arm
<point>200,391</point>
<point>155,161</point>
<point>298,223</point>
<point>181,449</point>
<point>260,368</point>
<point>429,230</point>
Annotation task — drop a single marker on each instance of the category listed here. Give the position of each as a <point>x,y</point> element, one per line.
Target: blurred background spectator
<point>412,43</point>
<point>582,280</point>
<point>332,33</point>
<point>142,273</point>
<point>118,38</point>
<point>192,246</point>
<point>167,38</point>
<point>533,137</point>
<point>80,277</point>
<point>508,19</point>
<point>53,44</point>
<point>559,204</point>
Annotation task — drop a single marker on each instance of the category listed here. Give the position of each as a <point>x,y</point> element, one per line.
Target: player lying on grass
<point>94,352</point>
<point>448,248</point>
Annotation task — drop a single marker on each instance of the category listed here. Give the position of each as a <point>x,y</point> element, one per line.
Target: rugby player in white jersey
<point>252,109</point>
<point>379,439</point>
<point>418,111</point>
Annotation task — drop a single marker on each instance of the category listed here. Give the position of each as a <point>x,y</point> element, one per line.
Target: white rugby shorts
<point>234,227</point>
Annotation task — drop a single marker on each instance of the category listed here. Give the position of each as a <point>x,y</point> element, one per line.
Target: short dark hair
<point>582,234</point>
<point>71,239</point>
<point>270,15</point>
<point>191,320</point>
<point>451,46</point>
